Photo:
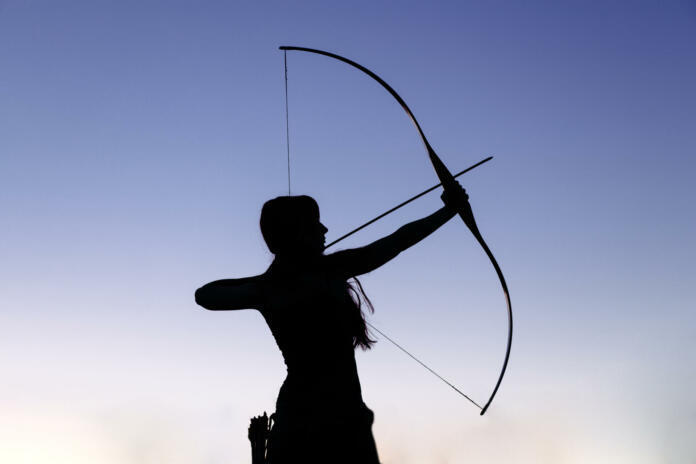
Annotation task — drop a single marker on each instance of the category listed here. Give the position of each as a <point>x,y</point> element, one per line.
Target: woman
<point>316,317</point>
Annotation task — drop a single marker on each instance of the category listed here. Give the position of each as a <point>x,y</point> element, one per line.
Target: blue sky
<point>138,141</point>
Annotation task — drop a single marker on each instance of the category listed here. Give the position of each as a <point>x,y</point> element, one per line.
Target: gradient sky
<point>138,141</point>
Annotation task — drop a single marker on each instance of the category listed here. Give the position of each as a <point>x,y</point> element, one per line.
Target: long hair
<point>361,333</point>
<point>282,221</point>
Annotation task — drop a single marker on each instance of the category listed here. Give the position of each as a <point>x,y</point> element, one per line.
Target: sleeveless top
<point>312,318</point>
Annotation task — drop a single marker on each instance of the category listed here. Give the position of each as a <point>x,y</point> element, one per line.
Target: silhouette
<point>314,307</point>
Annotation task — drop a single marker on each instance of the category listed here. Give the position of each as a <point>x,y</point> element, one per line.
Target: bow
<point>448,182</point>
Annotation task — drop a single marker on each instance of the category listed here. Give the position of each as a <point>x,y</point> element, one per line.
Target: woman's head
<point>290,225</point>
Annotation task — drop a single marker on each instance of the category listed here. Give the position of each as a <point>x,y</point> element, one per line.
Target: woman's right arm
<point>231,294</point>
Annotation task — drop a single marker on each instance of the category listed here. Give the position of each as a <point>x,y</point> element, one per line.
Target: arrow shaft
<point>400,205</point>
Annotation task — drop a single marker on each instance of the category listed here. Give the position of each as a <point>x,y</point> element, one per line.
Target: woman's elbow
<point>202,299</point>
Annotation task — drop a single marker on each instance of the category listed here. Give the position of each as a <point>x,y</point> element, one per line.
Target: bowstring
<point>287,117</point>
<point>423,364</point>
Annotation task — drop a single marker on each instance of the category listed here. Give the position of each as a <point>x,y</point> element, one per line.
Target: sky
<point>139,140</point>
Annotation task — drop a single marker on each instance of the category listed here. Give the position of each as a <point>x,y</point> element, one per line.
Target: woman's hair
<point>282,220</point>
<point>361,335</point>
<point>282,223</point>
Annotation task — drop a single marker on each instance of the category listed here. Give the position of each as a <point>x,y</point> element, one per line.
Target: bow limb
<point>447,180</point>
<point>468,219</point>
<point>465,213</point>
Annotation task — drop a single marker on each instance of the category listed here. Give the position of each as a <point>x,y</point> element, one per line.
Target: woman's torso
<point>311,316</point>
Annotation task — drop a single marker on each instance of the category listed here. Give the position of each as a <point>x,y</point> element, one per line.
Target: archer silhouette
<point>316,316</point>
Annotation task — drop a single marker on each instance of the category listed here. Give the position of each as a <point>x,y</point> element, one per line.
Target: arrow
<point>415,197</point>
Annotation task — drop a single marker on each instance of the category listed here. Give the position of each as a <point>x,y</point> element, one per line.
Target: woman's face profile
<point>313,235</point>
<point>291,226</point>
